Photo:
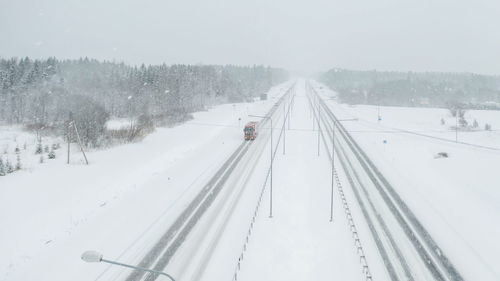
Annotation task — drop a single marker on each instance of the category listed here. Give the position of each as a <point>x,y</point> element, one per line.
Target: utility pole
<point>290,102</point>
<point>68,133</point>
<point>334,123</point>
<point>319,124</point>
<point>284,123</point>
<point>271,188</point>
<point>313,113</point>
<point>80,143</point>
<point>313,107</point>
<point>333,169</point>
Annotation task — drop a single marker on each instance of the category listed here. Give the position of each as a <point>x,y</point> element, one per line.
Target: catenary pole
<point>333,170</point>
<point>284,123</point>
<point>319,124</point>
<point>271,185</point>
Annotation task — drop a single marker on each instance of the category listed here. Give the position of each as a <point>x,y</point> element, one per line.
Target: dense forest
<point>50,93</point>
<point>434,89</point>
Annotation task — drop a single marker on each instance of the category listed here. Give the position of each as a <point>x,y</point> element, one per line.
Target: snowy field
<point>129,195</point>
<point>119,123</point>
<point>19,148</point>
<point>457,198</point>
<point>50,213</point>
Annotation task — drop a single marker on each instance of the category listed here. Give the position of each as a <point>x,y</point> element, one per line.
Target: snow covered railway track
<point>407,249</point>
<point>367,208</point>
<point>163,251</point>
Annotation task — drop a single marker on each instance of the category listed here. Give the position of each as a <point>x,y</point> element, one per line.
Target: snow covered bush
<point>18,163</point>
<point>441,155</point>
<point>39,148</point>
<point>52,154</point>
<point>136,130</point>
<point>2,167</point>
<point>8,167</point>
<point>89,117</point>
<point>462,122</point>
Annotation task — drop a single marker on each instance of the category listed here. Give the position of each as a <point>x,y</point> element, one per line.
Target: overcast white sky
<point>419,35</point>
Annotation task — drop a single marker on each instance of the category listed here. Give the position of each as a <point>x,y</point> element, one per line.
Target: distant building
<point>424,101</point>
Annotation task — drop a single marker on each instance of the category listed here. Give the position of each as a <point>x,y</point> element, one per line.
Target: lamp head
<point>92,256</point>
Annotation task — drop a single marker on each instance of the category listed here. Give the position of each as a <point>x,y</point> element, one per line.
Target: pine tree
<point>18,163</point>
<point>39,148</point>
<point>52,154</point>
<point>8,167</point>
<point>31,92</point>
<point>2,167</point>
<point>463,123</point>
<point>475,124</point>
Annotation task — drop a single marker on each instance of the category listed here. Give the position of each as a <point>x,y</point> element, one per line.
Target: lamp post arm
<point>138,268</point>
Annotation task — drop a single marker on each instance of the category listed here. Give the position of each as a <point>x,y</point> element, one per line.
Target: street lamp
<point>333,160</point>
<point>271,188</point>
<point>93,256</point>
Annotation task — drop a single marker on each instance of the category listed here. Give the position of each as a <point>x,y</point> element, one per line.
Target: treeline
<point>50,93</point>
<point>415,89</point>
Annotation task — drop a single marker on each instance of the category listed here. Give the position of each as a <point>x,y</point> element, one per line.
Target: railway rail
<point>163,251</point>
<point>407,249</point>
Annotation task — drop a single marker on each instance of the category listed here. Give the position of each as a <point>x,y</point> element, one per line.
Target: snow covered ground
<point>456,198</point>
<point>299,242</point>
<point>119,123</point>
<point>118,204</point>
<point>18,145</point>
<point>50,213</point>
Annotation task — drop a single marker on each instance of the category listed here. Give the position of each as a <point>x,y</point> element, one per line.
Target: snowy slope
<point>125,197</point>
